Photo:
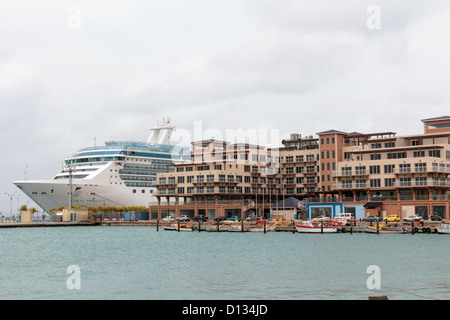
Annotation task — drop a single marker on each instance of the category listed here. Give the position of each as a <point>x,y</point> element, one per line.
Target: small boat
<point>444,228</point>
<point>236,229</point>
<point>174,227</point>
<point>385,229</point>
<point>343,219</point>
<point>259,229</point>
<point>221,228</point>
<point>310,227</point>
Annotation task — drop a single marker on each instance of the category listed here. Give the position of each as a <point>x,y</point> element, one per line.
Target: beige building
<point>75,215</point>
<point>376,173</point>
<point>26,216</point>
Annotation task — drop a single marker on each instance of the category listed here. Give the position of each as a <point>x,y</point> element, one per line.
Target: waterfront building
<point>362,173</point>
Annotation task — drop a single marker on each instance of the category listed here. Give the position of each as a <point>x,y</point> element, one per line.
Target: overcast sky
<point>74,70</point>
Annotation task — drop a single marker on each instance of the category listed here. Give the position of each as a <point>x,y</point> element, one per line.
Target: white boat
<point>261,229</point>
<point>315,227</point>
<point>444,228</point>
<point>175,227</point>
<point>382,229</point>
<point>344,219</point>
<point>119,173</point>
<point>237,228</point>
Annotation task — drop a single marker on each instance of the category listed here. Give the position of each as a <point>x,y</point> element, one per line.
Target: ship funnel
<point>153,135</point>
<point>162,128</point>
<point>165,136</point>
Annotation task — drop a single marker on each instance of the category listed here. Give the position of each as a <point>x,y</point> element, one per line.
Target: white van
<point>344,218</point>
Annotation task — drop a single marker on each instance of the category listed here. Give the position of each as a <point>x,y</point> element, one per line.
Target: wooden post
<point>264,225</point>
<point>412,227</point>
<point>378,227</point>
<point>242,225</point>
<point>293,226</point>
<point>157,225</point>
<point>321,226</point>
<point>217,225</point>
<point>199,224</point>
<point>178,225</point>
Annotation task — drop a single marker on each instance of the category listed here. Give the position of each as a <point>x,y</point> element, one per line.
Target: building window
<point>420,167</point>
<point>397,155</point>
<point>375,156</point>
<point>434,153</point>
<point>439,125</point>
<point>389,182</point>
<point>421,181</point>
<point>375,183</point>
<point>374,169</point>
<point>405,167</point>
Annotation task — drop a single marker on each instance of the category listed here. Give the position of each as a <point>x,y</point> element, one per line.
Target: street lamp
<point>11,195</point>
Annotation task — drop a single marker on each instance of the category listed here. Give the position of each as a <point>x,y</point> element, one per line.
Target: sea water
<point>106,262</point>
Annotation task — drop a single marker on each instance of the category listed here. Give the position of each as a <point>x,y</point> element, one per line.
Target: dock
<point>47,224</point>
<point>358,227</point>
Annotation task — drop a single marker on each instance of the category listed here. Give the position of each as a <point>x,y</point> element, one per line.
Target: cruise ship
<point>120,173</point>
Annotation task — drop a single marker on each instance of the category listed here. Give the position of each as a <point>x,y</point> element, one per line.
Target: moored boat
<point>385,229</point>
<point>175,227</point>
<point>314,227</point>
<point>444,228</point>
<point>259,229</point>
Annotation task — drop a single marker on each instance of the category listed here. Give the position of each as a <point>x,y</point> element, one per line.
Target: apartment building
<point>376,173</point>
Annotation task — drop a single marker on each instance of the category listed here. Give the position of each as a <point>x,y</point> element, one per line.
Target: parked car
<point>371,218</point>
<point>183,218</point>
<point>200,218</point>
<point>392,218</point>
<point>434,218</point>
<point>253,218</point>
<point>233,218</point>
<point>412,218</point>
<point>221,218</point>
<point>168,219</point>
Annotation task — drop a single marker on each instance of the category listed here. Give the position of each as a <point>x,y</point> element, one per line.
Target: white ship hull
<point>53,194</point>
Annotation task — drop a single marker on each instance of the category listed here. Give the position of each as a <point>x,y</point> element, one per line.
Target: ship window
<point>143,191</point>
<point>134,190</point>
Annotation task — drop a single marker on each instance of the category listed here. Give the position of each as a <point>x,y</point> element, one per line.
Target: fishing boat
<point>174,227</point>
<point>315,227</point>
<point>259,229</point>
<point>237,228</point>
<point>385,229</point>
<point>343,219</point>
<point>444,228</point>
<point>221,228</point>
